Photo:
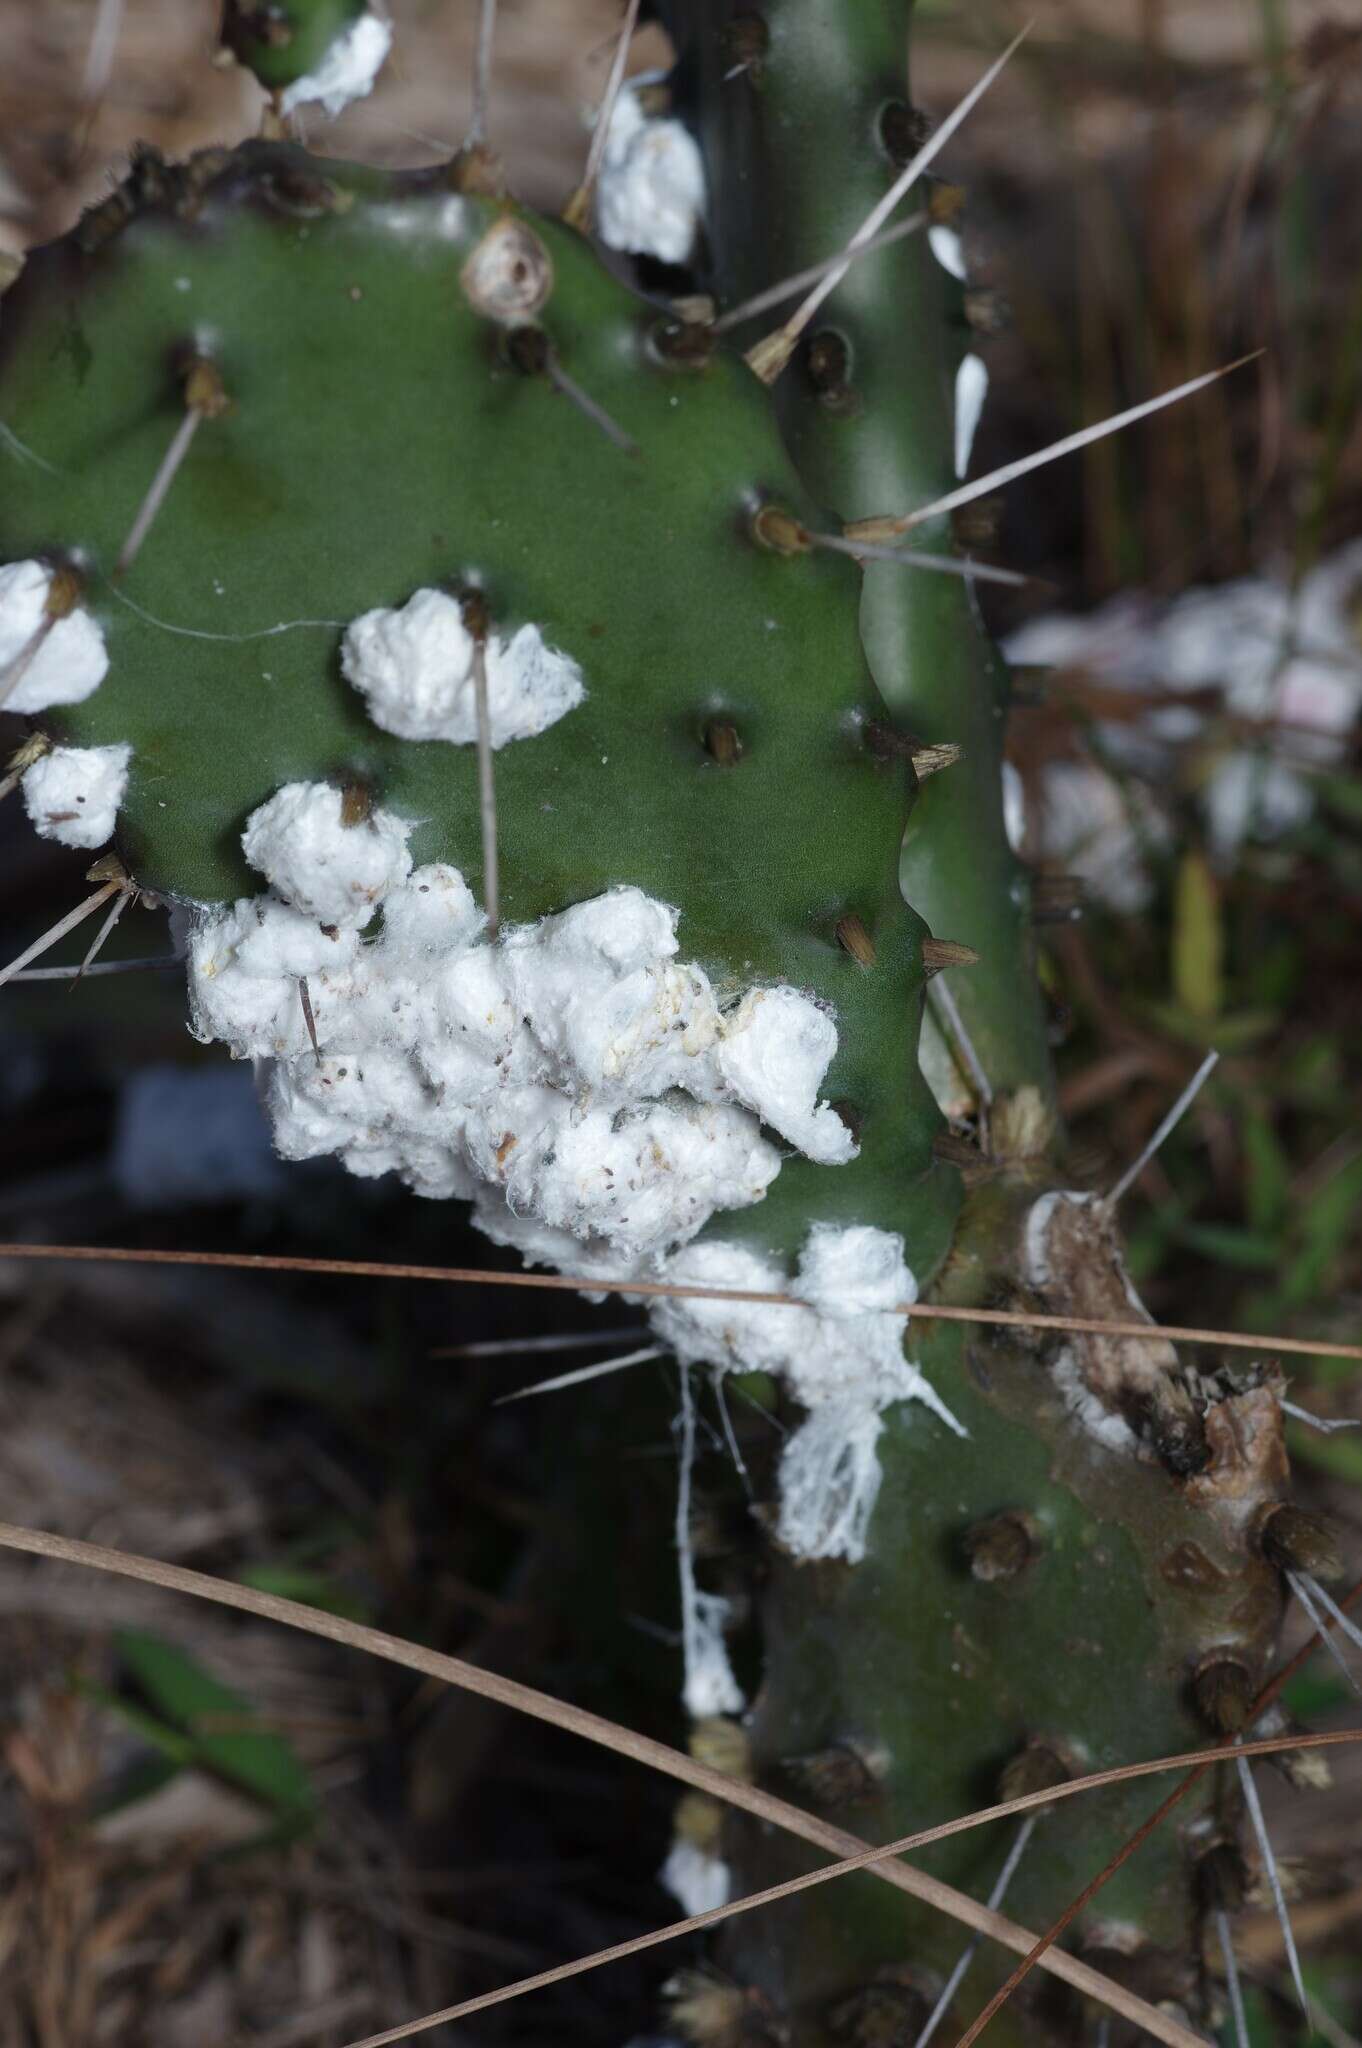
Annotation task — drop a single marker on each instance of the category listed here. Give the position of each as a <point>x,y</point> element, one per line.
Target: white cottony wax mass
<point>582,1085</point>
<point>63,660</point>
<point>332,871</point>
<point>414,668</point>
<point>841,1356</point>
<point>72,794</point>
<point>650,198</point>
<point>347,71</point>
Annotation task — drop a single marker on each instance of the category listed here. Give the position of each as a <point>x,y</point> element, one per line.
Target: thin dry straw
<point>855,1855</point>
<point>478,1276</point>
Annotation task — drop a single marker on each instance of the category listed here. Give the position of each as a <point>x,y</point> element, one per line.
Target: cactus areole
<point>328,469</point>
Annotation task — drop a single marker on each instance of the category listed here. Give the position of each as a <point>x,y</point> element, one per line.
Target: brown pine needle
<point>481,1276</point>
<point>854,1854</point>
<point>885,528</point>
<point>1041,1951</point>
<point>769,356</point>
<point>762,302</point>
<point>61,928</point>
<point>577,212</point>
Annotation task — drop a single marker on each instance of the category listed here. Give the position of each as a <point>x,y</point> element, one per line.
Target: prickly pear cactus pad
<point>388,475</point>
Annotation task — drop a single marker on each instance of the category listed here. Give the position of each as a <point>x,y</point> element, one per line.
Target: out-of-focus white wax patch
<point>948,250</point>
<point>347,71</point>
<point>971,389</point>
<point>650,197</point>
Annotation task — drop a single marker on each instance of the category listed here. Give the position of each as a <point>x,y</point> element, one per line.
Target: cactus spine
<point>412,425</point>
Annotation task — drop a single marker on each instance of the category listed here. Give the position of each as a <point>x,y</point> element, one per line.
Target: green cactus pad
<point>379,440</point>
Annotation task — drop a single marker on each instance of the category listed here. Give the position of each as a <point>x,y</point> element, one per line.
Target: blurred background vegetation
<point>210,1832</point>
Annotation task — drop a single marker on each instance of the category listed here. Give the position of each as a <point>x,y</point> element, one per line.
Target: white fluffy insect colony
<point>52,653</point>
<point>575,1079</point>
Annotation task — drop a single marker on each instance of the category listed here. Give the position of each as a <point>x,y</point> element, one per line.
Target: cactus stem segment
<point>971,1948</point>
<point>1165,1128</point>
<point>63,926</point>
<point>577,212</point>
<point>205,399</point>
<point>768,357</point>
<point>885,528</point>
<point>1255,1811</point>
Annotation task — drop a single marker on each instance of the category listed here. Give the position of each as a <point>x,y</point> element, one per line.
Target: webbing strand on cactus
<point>341,468</point>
